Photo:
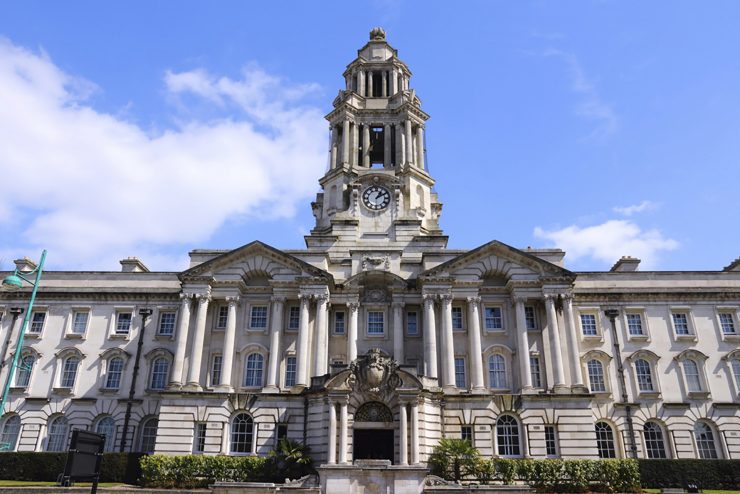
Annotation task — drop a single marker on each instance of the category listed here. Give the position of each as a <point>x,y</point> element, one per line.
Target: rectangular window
<point>727,323</point>
<point>460,372</point>
<point>588,325</point>
<point>375,322</point>
<point>37,322</point>
<point>412,324</point>
<point>79,322</point>
<point>123,322</point>
<point>534,369</point>
<point>216,367</point>
<point>339,322</point>
<point>281,432</point>
<point>258,318</point>
<point>290,371</point>
<point>222,316</point>
<point>550,441</point>
<point>466,433</point>
<point>530,318</point>
<point>634,325</point>
<point>199,441</point>
<point>493,319</point>
<point>681,323</point>
<point>166,324</point>
<point>457,319</point>
<point>294,318</point>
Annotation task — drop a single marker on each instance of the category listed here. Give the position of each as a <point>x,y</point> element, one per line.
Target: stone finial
<point>133,265</point>
<point>377,34</point>
<point>626,263</point>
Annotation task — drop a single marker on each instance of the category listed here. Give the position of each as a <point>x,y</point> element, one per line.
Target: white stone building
<point>503,346</point>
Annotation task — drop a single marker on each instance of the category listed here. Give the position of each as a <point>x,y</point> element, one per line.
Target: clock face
<point>376,197</point>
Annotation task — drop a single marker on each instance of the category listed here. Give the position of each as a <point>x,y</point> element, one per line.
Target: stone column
<point>200,331</point>
<point>448,345</point>
<point>557,356</point>
<point>302,345</point>
<point>345,142</point>
<point>387,146</point>
<point>414,433</point>
<point>321,336</point>
<point>355,144</point>
<point>522,344</point>
<point>229,339</point>
<point>394,81</point>
<point>276,324</point>
<point>182,340</point>
<point>409,143</point>
<point>420,147</point>
<point>403,435</point>
<point>334,145</point>
<point>400,156</point>
<point>361,82</point>
<point>430,337</point>
<point>343,431</point>
<point>332,454</point>
<point>575,354</point>
<point>366,145</point>
<point>370,77</point>
<point>384,80</point>
<point>474,344</point>
<point>398,332</point>
<point>352,308</point>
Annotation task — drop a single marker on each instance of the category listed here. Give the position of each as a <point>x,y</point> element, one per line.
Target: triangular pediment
<point>498,260</point>
<point>256,260</point>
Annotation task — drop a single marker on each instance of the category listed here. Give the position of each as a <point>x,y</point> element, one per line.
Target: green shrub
<point>115,467</point>
<point>710,474</point>
<point>194,471</point>
<point>454,459</point>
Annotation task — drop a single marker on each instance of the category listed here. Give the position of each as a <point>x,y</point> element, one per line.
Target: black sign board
<point>84,458</point>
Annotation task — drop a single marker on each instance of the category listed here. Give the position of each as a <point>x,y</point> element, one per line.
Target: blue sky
<point>151,128</point>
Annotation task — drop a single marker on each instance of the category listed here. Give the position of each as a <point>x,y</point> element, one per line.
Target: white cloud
<point>94,188</point>
<point>635,208</point>
<point>591,105</point>
<point>609,241</point>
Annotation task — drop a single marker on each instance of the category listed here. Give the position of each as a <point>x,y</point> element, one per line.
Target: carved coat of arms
<point>375,373</point>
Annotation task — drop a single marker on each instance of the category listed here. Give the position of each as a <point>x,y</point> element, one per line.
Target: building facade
<point>376,340</point>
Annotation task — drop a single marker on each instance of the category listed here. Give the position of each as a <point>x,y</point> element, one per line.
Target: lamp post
<point>12,283</point>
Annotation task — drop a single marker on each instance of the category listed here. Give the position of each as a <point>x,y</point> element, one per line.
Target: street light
<point>12,283</point>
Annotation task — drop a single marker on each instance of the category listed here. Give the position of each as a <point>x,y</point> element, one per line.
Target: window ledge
<point>376,335</point>
<point>115,336</point>
<point>602,394</point>
<point>496,331</point>
<point>219,330</point>
<point>639,337</point>
<point>164,337</point>
<point>62,391</point>
<point>19,389</point>
<point>685,337</point>
<point>108,391</point>
<point>74,336</point>
<point>699,395</point>
<point>32,335</point>
<point>731,337</point>
<point>649,394</point>
<point>592,338</point>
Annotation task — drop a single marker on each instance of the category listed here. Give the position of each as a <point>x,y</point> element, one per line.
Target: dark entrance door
<point>373,444</point>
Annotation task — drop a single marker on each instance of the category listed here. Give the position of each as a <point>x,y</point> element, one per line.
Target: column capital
<point>429,297</point>
<point>203,298</point>
<point>186,296</point>
<point>446,298</point>
<point>518,299</point>
<point>550,297</point>
<point>278,299</point>
<point>353,306</point>
<point>567,296</point>
<point>304,297</point>
<point>474,300</point>
<point>233,300</point>
<point>321,297</point>
<point>398,304</point>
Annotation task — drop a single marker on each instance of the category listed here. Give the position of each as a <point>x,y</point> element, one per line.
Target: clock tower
<point>377,191</point>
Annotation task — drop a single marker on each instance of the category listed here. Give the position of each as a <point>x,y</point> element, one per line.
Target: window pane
<point>507,435</point>
<point>107,427</point>
<point>294,317</point>
<point>728,325</point>
<point>11,431</point>
<point>412,326</point>
<point>466,433</point>
<point>259,317</point>
<point>290,371</point>
<point>460,372</point>
<point>634,324</point>
<point>69,373</point>
<point>241,434</point>
<point>497,372</point>
<point>339,322</point>
<point>216,370</point>
<point>253,374</point>
<point>534,370</point>
<point>644,375</point>
<point>167,323</point>
<point>79,322</point>
<point>123,322</point>
<point>57,437</point>
<point>37,322</point>
<point>160,370</point>
<point>681,323</point>
<point>736,372</point>
<point>149,435</point>
<point>375,322</point>
<point>493,319</point>
<point>23,371</point>
<point>222,317</point>
<point>654,441</point>
<point>550,441</point>
<point>691,369</point>
<point>457,318</point>
<point>588,325</point>
<point>199,439</point>
<point>115,371</point>
<point>529,317</point>
<point>596,376</point>
<point>705,441</point>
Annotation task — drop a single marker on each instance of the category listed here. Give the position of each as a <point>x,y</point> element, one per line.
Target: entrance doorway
<point>373,444</point>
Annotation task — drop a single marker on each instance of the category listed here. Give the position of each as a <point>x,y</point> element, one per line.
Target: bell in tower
<point>377,188</point>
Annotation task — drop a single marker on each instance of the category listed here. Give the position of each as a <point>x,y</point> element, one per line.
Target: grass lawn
<point>31,483</point>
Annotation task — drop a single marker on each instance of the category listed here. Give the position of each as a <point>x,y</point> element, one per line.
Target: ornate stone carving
<point>375,262</point>
<point>375,373</point>
<point>375,295</point>
<point>377,33</point>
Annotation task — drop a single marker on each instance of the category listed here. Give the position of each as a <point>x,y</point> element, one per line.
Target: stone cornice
<point>657,296</point>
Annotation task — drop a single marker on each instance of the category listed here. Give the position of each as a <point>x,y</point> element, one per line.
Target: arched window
<point>107,427</point>
<point>148,437</point>
<point>253,371</point>
<point>242,428</point>
<point>10,432</point>
<point>705,442</point>
<point>373,411</point>
<point>654,443</point>
<point>69,372</point>
<point>57,437</point>
<point>693,380</point>
<point>160,371</point>
<point>24,370</point>
<point>497,372</point>
<point>644,375</point>
<point>114,373</point>
<point>605,440</point>
<point>507,436</point>
<point>596,376</point>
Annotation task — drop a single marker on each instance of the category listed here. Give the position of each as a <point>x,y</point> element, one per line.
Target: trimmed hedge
<point>116,467</point>
<point>708,474</point>
<point>564,475</point>
<point>189,472</point>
